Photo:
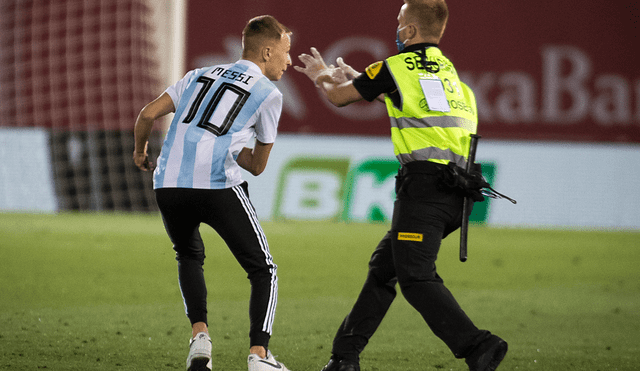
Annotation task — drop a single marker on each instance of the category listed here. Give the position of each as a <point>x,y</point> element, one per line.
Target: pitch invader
<point>197,179</point>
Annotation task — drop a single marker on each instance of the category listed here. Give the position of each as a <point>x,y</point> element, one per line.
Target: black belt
<point>421,167</point>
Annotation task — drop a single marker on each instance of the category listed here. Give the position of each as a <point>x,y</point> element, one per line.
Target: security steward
<point>432,116</point>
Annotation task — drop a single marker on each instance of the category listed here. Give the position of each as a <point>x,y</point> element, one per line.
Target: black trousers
<point>232,215</point>
<point>423,215</point>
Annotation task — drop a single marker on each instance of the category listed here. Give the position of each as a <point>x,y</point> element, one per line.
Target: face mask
<point>399,43</point>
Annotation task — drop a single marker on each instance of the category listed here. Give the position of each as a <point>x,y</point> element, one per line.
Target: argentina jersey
<point>218,109</point>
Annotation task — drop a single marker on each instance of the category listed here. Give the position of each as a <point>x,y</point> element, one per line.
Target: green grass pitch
<point>99,292</point>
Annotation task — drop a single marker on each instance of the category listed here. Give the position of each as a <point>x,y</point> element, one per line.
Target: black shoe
<point>488,355</point>
<point>340,365</point>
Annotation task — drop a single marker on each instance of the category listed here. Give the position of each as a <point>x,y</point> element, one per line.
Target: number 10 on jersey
<point>222,108</point>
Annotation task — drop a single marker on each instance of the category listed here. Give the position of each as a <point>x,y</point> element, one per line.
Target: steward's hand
<point>314,66</point>
<point>343,73</point>
<point>349,72</point>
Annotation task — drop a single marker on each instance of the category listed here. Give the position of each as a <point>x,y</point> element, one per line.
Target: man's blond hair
<point>429,15</point>
<point>261,31</point>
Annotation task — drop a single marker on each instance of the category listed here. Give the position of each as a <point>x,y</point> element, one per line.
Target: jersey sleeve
<point>175,91</point>
<point>375,81</point>
<point>267,124</point>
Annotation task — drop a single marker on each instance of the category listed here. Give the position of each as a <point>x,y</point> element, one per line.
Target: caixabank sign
<point>573,83</point>
<point>322,188</point>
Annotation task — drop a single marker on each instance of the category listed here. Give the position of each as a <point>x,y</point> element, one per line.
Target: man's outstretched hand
<point>314,66</point>
<point>316,69</point>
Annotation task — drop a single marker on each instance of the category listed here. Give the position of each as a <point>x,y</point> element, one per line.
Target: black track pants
<point>232,215</point>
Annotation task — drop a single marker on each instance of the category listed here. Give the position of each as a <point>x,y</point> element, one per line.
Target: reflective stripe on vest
<point>419,134</point>
<point>433,121</point>
<point>417,144</point>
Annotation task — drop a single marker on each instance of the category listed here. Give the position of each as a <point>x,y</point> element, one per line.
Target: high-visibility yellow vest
<point>421,127</point>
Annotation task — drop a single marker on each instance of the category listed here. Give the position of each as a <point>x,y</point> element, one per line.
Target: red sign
<point>545,70</point>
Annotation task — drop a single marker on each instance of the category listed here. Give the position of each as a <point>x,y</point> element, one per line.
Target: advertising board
<point>548,70</point>
<point>352,179</point>
<point>26,176</point>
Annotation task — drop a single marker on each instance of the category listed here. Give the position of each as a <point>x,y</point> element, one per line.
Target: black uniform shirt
<point>377,78</point>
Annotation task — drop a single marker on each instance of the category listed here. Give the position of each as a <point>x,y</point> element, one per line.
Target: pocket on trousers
<point>419,187</point>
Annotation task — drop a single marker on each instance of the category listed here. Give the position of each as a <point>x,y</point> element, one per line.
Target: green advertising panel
<point>325,188</point>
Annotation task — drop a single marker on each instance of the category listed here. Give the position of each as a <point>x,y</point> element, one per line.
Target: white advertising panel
<point>26,180</point>
<point>557,185</point>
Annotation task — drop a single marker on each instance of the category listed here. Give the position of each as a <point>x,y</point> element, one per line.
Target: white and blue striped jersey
<point>218,109</point>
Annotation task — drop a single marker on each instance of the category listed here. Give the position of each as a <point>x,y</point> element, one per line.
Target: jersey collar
<point>251,65</point>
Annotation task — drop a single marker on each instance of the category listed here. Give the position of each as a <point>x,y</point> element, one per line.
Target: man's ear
<point>413,29</point>
<point>266,53</point>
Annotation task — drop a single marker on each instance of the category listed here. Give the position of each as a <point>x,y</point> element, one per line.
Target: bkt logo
<point>333,189</point>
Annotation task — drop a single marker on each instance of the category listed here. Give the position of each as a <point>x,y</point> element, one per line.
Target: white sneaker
<point>199,358</point>
<point>265,364</point>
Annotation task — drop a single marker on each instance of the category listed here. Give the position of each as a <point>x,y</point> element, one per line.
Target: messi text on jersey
<point>232,75</point>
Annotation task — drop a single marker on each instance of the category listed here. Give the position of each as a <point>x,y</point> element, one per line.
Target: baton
<point>468,202</point>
